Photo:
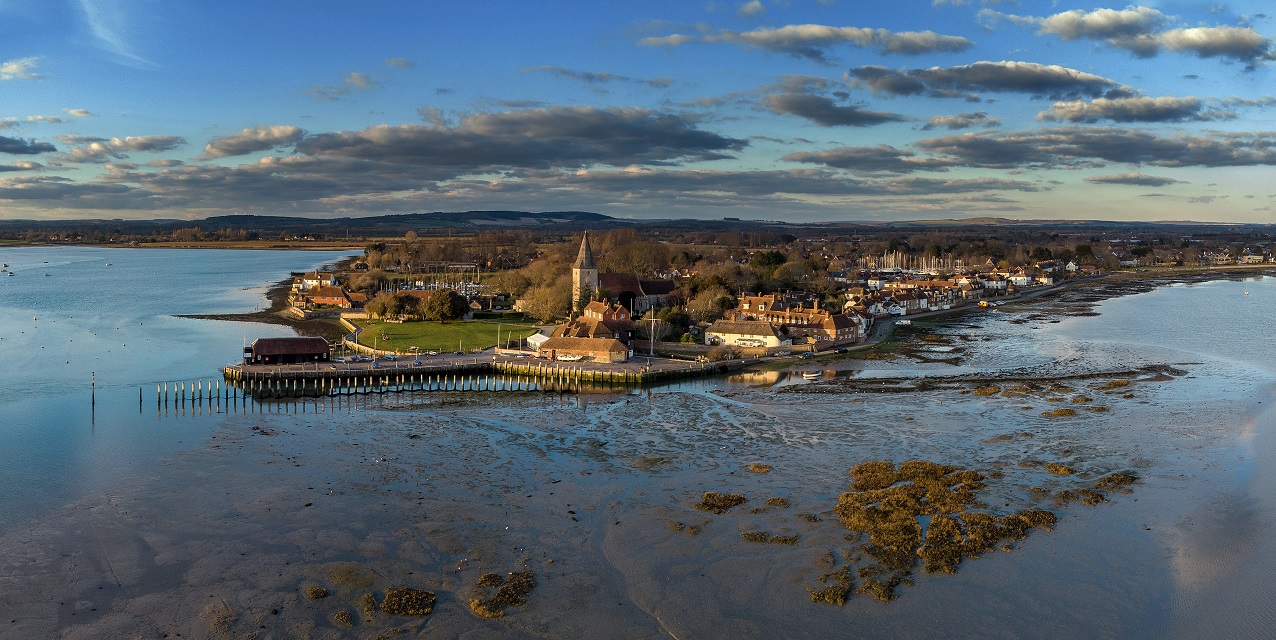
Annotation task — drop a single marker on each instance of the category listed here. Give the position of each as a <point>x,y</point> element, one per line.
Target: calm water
<point>108,315</point>
<point>1191,546</point>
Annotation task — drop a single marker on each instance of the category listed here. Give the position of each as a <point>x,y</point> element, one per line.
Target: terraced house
<point>798,323</point>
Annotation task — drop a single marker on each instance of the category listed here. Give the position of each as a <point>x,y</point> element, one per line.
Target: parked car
<point>806,356</point>
<point>417,362</point>
<point>389,356</point>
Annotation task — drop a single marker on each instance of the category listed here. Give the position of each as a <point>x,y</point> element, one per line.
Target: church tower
<point>584,276</point>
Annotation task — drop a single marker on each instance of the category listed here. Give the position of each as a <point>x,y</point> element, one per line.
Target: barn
<point>286,351</point>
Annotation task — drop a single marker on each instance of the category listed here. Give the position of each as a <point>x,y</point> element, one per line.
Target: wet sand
<point>432,491</point>
<point>224,541</point>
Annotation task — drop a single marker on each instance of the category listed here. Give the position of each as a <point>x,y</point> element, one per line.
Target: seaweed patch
<point>719,503</point>
<point>887,504</point>
<point>493,593</point>
<point>402,601</point>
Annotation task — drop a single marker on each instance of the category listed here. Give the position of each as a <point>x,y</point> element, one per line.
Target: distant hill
<point>402,223</point>
<point>434,223</point>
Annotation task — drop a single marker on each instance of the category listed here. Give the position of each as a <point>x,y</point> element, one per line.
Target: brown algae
<point>719,503</point>
<point>1090,497</point>
<point>1060,413</point>
<point>509,591</point>
<point>368,603</point>
<point>838,585</point>
<point>316,593</point>
<point>1115,480</point>
<point>1060,469</point>
<point>343,618</point>
<point>888,505</point>
<point>402,601</point>
<point>783,503</point>
<point>762,536</point>
<point>759,467</point>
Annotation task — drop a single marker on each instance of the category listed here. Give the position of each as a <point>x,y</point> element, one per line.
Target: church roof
<point>585,259</point>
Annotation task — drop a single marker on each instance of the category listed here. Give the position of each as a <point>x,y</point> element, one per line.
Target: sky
<point>788,110</point>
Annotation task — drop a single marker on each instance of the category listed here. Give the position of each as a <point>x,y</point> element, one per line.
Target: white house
<point>744,333</point>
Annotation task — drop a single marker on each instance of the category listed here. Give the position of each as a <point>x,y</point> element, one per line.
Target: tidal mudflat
<point>587,506</point>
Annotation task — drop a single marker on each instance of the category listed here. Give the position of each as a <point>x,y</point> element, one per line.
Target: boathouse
<point>596,349</point>
<point>286,351</point>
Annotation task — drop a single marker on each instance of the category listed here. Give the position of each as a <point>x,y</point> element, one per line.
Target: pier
<point>482,374</point>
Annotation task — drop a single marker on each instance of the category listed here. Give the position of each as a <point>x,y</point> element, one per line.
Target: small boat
<point>108,264</point>
<point>811,375</point>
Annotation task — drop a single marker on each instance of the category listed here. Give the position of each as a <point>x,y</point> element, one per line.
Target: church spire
<point>585,259</point>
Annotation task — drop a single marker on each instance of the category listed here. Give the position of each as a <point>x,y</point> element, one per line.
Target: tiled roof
<point>289,346</point>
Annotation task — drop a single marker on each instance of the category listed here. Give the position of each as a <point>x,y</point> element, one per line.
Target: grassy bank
<point>439,336</point>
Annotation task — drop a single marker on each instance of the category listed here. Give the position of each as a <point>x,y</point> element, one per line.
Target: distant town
<point>609,296</point>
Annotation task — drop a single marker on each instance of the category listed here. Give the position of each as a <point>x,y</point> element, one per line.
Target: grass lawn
<point>441,337</point>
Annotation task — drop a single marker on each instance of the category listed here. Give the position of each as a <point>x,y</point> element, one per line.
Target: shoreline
<point>433,492</point>
<point>1103,287</point>
<point>277,294</point>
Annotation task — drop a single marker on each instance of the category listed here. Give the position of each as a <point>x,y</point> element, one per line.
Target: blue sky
<point>802,110</point>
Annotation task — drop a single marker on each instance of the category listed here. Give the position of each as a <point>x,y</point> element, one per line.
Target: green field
<point>442,337</point>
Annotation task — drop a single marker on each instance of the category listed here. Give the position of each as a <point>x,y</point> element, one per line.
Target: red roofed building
<point>600,320</point>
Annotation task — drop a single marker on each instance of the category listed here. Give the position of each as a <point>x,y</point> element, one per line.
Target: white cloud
<point>353,80</point>
<point>50,119</point>
<point>93,149</point>
<point>399,63</point>
<point>113,25</point>
<point>751,9</point>
<point>1135,109</point>
<point>20,69</point>
<point>79,113</point>
<point>671,40</point>
<point>252,139</point>
<point>962,121</point>
<point>360,81</point>
<point>813,41</point>
<point>1145,32</point>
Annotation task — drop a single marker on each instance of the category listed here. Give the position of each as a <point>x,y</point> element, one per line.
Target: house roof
<point>743,327</point>
<point>327,292</point>
<point>658,287</point>
<point>617,283</point>
<point>584,345</point>
<point>592,328</point>
<point>289,346</point>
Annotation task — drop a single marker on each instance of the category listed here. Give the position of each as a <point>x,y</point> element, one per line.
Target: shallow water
<point>79,344</point>
<point>432,490</point>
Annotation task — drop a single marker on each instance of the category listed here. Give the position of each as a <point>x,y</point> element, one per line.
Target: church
<point>624,289</point>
